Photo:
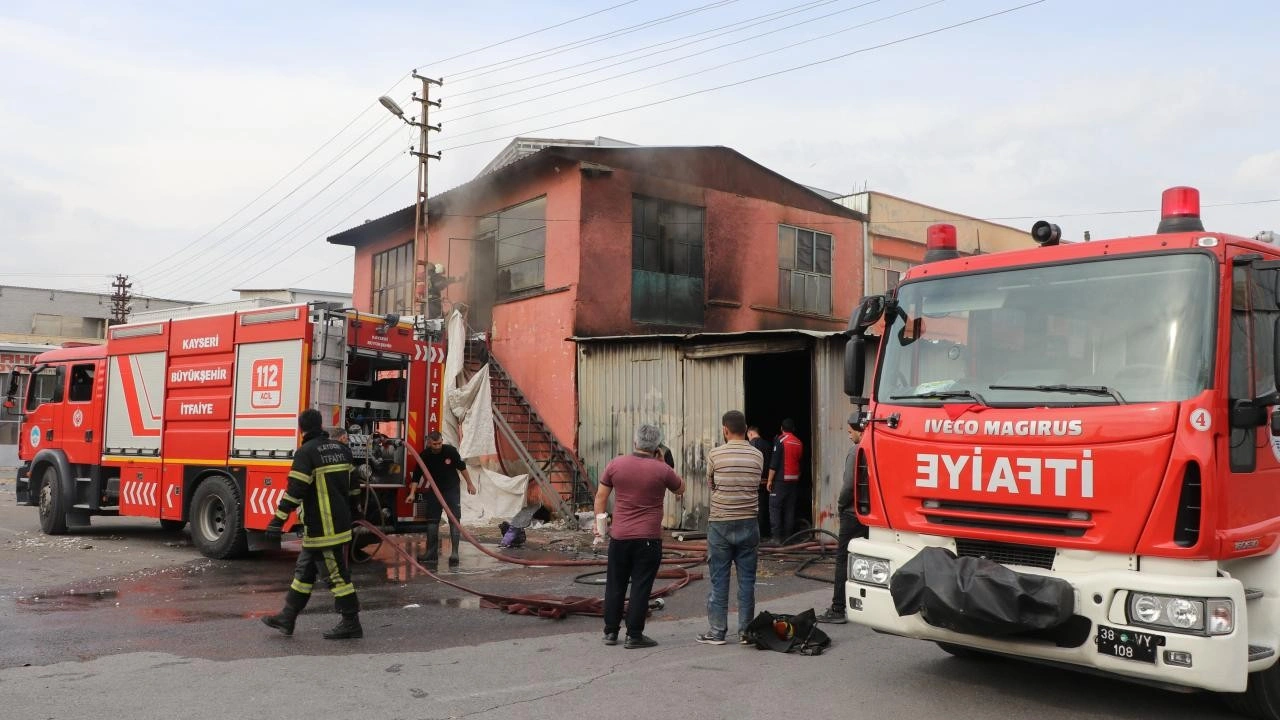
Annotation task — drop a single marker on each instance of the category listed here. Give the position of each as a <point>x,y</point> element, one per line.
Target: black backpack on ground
<point>788,633</point>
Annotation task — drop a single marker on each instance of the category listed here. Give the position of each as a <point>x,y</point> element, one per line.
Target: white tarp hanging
<point>497,497</point>
<point>454,360</point>
<point>472,407</point>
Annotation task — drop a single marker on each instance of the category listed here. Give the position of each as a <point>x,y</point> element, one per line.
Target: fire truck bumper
<point>1099,636</point>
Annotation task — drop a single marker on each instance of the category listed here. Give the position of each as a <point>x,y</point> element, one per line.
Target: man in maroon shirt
<point>641,482</point>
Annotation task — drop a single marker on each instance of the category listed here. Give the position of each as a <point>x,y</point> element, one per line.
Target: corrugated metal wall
<point>623,384</point>
<point>712,386</point>
<point>831,410</point>
<point>620,386</point>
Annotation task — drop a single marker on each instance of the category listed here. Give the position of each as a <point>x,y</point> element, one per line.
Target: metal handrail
<point>548,491</point>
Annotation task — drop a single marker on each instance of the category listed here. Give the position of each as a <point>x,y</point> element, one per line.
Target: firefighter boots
<point>348,629</point>
<point>282,621</point>
<point>433,544</point>
<point>455,538</point>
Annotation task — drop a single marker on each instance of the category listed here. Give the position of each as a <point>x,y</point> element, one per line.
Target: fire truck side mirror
<point>870,309</point>
<point>855,368</point>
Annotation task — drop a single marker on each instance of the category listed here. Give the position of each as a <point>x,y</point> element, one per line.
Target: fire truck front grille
<point>1007,553</point>
<point>1008,518</point>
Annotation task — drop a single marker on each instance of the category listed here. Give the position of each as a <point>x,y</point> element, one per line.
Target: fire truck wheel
<point>1262,698</point>
<point>217,519</point>
<point>964,653</point>
<point>53,510</point>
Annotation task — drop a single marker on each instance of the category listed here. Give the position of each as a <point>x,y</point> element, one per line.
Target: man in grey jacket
<point>850,528</point>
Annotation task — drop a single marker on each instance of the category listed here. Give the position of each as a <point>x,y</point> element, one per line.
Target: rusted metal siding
<point>624,384</point>
<point>831,410</point>
<point>620,386</point>
<point>712,386</point>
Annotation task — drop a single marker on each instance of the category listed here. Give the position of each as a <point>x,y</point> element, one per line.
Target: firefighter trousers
<point>331,564</point>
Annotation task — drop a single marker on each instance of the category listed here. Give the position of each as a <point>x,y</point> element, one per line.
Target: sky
<point>200,148</point>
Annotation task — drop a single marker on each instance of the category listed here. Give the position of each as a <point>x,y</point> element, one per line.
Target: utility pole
<point>120,306</point>
<point>420,230</point>
<point>424,155</point>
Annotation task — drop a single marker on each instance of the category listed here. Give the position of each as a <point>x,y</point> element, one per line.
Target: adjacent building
<point>895,234</point>
<point>52,317</point>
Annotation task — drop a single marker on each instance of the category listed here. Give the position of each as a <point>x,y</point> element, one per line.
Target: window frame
<point>504,290</point>
<point>394,264</point>
<point>664,250</point>
<point>810,276</point>
<point>72,397</point>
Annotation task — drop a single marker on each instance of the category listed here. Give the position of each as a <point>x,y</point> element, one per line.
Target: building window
<point>666,262</point>
<point>804,270</point>
<point>393,280</point>
<point>886,273</point>
<point>520,237</point>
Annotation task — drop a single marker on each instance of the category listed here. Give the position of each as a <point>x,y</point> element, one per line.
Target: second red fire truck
<point>1073,456</point>
<point>195,420</point>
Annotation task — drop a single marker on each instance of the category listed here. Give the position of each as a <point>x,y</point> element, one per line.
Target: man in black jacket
<point>850,528</point>
<point>319,486</point>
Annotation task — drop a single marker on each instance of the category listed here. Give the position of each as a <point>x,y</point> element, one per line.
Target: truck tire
<point>53,506</point>
<point>964,653</point>
<point>1261,699</point>
<point>217,519</point>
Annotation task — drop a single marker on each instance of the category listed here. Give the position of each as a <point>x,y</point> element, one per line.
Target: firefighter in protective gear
<point>319,485</point>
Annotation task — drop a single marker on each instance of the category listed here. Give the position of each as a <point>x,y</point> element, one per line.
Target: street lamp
<point>391,105</point>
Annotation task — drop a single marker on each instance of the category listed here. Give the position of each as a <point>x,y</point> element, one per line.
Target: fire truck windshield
<point>1103,331</point>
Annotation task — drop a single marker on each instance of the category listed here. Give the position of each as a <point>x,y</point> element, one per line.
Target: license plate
<point>1128,644</point>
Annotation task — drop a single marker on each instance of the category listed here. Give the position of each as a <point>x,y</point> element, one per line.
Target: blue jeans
<point>732,542</point>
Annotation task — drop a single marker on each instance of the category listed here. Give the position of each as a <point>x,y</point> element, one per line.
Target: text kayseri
<point>1060,476</point>
<point>201,343</point>
<point>1061,428</point>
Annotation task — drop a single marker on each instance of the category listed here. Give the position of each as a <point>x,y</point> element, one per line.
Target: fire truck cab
<point>194,420</point>
<point>1072,455</point>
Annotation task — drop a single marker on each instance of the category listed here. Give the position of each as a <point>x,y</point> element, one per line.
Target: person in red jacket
<point>784,481</point>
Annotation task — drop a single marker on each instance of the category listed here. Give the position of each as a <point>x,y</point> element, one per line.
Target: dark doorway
<point>777,386</point>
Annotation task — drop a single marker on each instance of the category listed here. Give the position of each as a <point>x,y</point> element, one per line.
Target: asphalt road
<point>127,621</point>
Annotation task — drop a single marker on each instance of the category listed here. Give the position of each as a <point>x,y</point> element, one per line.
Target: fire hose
<point>558,607</point>
<point>540,605</point>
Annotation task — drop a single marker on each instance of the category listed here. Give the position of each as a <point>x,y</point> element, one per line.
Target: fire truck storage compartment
<point>199,390</point>
<point>268,389</point>
<point>135,389</point>
<point>262,491</point>
<point>140,490</point>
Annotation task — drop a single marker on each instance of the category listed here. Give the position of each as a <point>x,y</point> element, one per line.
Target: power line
<point>493,67</point>
<point>760,20</point>
<point>696,72</point>
<point>262,253</point>
<point>216,243</point>
<point>388,189</point>
<point>182,278</point>
<point>528,34</point>
<point>348,125</point>
<point>308,276</point>
<point>775,73</point>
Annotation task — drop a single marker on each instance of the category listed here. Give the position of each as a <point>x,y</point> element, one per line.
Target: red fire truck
<point>195,419</point>
<point>1072,455</point>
